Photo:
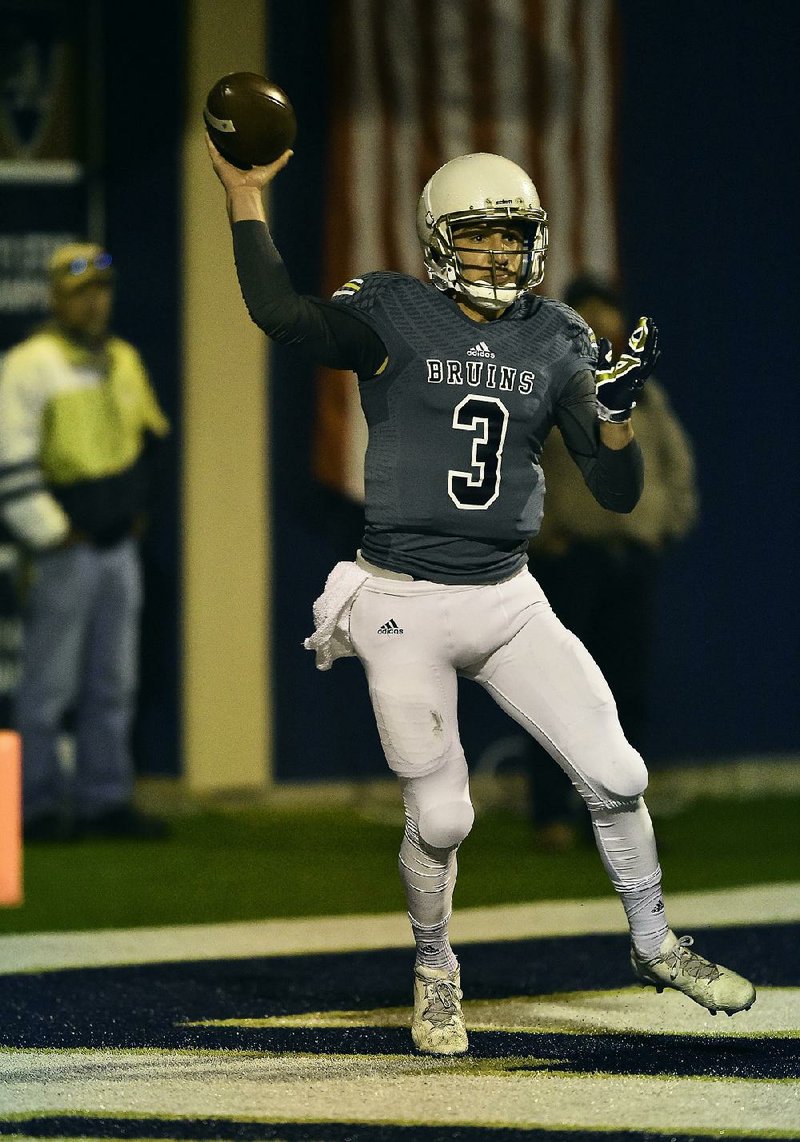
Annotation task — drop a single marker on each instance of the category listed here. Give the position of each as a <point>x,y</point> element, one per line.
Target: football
<point>250,120</point>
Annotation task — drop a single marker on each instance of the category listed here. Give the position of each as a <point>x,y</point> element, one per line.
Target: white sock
<point>433,946</point>
<point>627,847</point>
<point>429,877</point>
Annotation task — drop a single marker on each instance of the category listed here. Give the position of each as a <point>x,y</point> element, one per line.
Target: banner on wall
<point>418,82</point>
<point>44,68</point>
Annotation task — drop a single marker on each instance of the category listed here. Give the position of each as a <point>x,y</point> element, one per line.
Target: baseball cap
<point>79,263</point>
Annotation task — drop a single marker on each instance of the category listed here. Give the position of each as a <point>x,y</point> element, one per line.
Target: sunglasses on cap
<point>81,265</point>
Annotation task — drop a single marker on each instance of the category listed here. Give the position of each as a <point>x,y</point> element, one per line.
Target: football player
<point>461,378</point>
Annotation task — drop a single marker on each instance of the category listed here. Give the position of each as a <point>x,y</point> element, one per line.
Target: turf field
<point>250,979</point>
<point>251,864</point>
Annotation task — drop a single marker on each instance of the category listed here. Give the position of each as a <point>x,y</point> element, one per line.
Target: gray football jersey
<point>457,418</point>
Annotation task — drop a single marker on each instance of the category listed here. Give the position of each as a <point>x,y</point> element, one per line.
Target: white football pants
<point>415,637</point>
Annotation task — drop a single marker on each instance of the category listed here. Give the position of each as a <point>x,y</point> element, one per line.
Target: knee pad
<point>628,777</point>
<point>445,826</point>
<point>622,784</point>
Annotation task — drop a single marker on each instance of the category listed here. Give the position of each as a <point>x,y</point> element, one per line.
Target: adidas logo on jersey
<point>480,350</point>
<point>390,628</point>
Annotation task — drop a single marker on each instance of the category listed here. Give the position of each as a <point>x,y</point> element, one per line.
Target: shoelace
<point>681,959</point>
<point>442,997</point>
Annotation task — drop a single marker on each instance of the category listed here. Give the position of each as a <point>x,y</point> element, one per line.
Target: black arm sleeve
<point>334,335</point>
<point>615,477</point>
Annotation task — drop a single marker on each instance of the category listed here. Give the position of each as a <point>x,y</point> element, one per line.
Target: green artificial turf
<point>257,863</point>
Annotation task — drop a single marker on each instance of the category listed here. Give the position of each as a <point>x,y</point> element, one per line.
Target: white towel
<point>331,637</point>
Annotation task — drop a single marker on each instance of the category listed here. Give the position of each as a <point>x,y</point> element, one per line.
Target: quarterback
<point>460,379</point>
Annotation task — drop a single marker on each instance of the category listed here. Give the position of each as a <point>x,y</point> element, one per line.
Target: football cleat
<point>712,986</point>
<point>438,1024</point>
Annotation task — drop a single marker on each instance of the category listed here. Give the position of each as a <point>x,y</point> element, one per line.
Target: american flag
<point>418,82</point>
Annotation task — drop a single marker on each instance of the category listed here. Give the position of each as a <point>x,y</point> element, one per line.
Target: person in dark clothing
<point>583,554</point>
<point>460,380</point>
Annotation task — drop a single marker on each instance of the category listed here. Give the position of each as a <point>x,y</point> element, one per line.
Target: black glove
<point>618,384</point>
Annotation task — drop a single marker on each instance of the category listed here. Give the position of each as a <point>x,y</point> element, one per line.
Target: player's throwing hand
<point>233,178</point>
<point>618,383</point>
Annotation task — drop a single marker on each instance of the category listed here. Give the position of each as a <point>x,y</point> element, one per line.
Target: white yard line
<point>292,1088</point>
<point>758,904</point>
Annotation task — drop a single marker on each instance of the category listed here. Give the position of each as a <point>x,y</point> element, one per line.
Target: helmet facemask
<point>508,271</point>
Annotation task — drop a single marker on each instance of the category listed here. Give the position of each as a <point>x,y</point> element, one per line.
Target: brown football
<point>250,120</point>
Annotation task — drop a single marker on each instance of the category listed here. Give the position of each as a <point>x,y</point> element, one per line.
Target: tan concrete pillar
<point>226,559</point>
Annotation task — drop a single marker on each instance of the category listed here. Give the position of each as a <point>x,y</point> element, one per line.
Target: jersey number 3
<point>487,419</point>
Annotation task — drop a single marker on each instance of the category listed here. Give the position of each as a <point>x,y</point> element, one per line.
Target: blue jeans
<point>80,654</point>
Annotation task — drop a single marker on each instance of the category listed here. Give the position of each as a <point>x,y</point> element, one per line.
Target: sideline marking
<point>51,951</point>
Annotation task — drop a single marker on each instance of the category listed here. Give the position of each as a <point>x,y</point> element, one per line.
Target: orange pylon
<point>10,818</point>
